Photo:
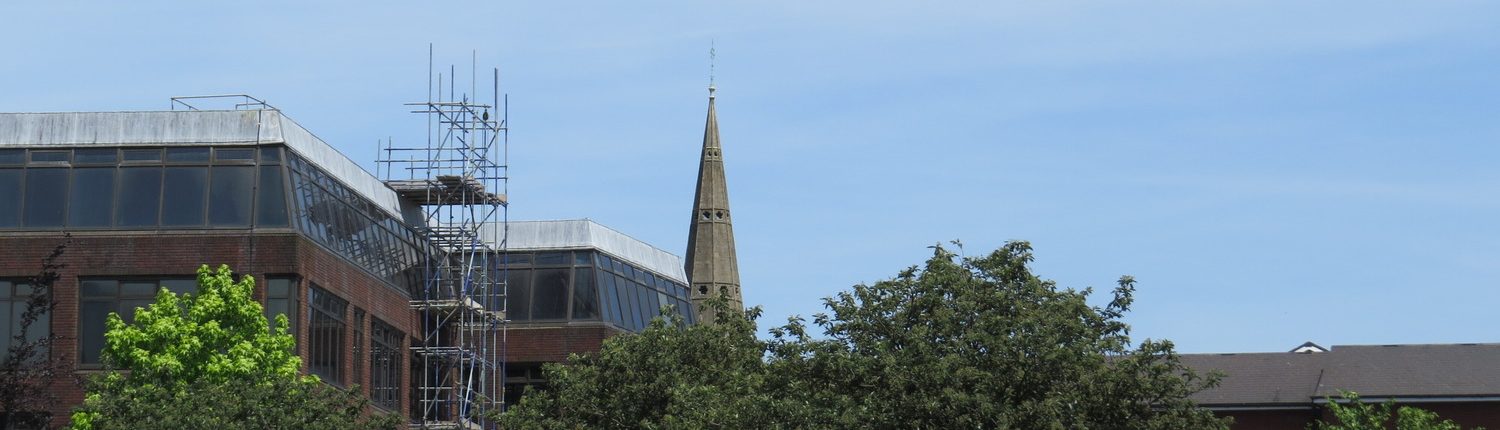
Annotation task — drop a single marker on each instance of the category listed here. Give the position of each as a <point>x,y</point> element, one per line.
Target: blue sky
<point>1271,171</point>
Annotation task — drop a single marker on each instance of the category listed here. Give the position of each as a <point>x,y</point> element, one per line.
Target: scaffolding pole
<point>451,185</point>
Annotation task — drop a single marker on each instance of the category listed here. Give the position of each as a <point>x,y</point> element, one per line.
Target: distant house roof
<point>1411,373</point>
<point>192,128</point>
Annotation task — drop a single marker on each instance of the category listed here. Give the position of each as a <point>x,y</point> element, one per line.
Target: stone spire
<point>711,265</point>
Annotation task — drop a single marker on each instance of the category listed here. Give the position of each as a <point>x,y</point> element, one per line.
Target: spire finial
<point>712,57</point>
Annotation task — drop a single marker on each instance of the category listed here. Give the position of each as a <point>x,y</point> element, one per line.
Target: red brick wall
<point>553,344</point>
<point>180,254</point>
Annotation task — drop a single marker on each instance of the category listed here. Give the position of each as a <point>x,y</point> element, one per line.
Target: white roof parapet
<point>583,233</point>
<point>192,128</point>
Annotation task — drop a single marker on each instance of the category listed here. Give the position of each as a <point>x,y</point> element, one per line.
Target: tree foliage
<point>211,360</point>
<point>30,365</point>
<point>957,343</point>
<point>1349,413</point>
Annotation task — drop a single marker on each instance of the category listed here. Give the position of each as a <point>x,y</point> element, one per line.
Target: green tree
<point>211,360</point>
<point>1349,413</point>
<point>957,343</point>
<point>671,375</point>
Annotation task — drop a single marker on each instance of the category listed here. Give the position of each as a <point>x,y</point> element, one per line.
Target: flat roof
<point>584,233</point>
<point>193,128</point>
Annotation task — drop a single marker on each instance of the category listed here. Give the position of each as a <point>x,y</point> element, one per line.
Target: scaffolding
<point>450,186</point>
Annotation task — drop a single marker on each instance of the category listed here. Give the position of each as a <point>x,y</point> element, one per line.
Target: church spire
<point>711,265</point>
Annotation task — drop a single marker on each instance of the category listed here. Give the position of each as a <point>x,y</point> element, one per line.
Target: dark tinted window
<point>91,203</point>
<point>10,197</point>
<point>139,197</point>
<point>585,297</point>
<point>142,155</point>
<point>551,258</point>
<point>46,196</point>
<point>549,297</point>
<point>49,156</point>
<point>11,157</point>
<point>270,209</point>
<point>228,154</point>
<point>229,198</point>
<point>518,297</point>
<point>95,156</point>
<point>625,291</point>
<point>325,335</point>
<point>606,283</point>
<point>187,155</point>
<point>182,196</point>
<point>270,155</point>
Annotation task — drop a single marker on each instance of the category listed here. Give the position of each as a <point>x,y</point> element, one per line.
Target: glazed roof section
<point>192,128</point>
<point>583,233</point>
<point>1441,372</point>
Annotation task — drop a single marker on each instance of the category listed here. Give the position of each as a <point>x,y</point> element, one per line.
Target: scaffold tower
<point>450,185</point>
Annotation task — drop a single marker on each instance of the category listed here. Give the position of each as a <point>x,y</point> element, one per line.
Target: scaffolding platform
<point>445,190</point>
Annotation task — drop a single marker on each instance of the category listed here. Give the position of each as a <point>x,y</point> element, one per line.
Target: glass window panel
<point>229,196</point>
<point>95,156</point>
<point>183,192</point>
<point>585,295</point>
<point>187,155</point>
<point>139,196</point>
<point>92,198</point>
<point>653,302</point>
<point>7,328</point>
<point>582,258</point>
<point>551,258</point>
<point>270,208</point>
<point>227,154</point>
<point>39,329</point>
<point>128,307</point>
<point>607,295</point>
<point>625,291</point>
<point>549,297</point>
<point>98,288</point>
<point>4,289</point>
<point>517,259</point>
<point>279,288</point>
<point>139,155</point>
<point>180,286</point>
<point>10,197</point>
<point>49,156</point>
<point>643,298</point>
<point>518,295</point>
<point>138,289</point>
<point>12,157</point>
<point>91,329</point>
<point>46,197</point>
<point>270,154</point>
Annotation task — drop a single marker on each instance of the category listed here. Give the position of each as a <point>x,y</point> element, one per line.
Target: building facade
<point>148,197</point>
<point>574,283</point>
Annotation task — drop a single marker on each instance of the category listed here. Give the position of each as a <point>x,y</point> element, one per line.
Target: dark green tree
<point>957,343</point>
<point>1349,413</point>
<point>211,361</point>
<point>671,375</point>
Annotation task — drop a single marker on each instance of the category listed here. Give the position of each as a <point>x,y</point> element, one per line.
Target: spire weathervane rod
<point>712,58</point>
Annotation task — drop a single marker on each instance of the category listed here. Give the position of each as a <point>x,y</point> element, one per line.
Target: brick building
<point>150,196</point>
